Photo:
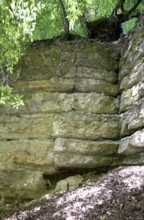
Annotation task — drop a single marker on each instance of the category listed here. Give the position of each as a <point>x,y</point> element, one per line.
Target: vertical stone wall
<point>70,118</point>
<point>131,79</point>
<point>77,115</point>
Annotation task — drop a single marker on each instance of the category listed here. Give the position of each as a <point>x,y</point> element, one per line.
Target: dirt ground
<point>119,195</point>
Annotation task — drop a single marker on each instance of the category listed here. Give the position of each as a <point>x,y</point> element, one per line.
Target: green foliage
<point>17,23</point>
<point>102,217</point>
<point>75,9</point>
<point>49,22</point>
<point>9,98</point>
<point>127,26</point>
<point>100,8</point>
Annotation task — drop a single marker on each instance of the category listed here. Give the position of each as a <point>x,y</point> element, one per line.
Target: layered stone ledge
<point>72,118</point>
<point>132,99</point>
<point>69,120</point>
<point>44,102</point>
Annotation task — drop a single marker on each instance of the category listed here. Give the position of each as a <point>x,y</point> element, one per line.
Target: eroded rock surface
<point>84,110</point>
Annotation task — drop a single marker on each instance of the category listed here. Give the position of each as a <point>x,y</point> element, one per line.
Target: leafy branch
<point>17,23</point>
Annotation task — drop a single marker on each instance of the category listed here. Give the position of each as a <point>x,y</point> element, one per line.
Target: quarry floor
<point>119,195</point>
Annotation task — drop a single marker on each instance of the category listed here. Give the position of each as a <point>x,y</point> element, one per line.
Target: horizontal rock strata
<point>79,114</point>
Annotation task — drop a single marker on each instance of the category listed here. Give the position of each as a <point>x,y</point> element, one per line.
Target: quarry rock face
<point>84,109</point>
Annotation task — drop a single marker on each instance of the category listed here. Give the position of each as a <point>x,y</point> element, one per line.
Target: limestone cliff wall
<point>131,78</point>
<point>79,113</point>
<point>70,118</point>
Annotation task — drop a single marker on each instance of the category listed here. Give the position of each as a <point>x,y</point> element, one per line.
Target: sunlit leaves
<point>75,9</point>
<point>100,8</point>
<point>49,23</point>
<point>17,23</point>
<point>8,98</point>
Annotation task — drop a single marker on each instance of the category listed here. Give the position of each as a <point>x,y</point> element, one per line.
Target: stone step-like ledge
<point>132,144</point>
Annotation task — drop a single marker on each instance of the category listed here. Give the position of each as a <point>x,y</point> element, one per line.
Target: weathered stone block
<point>128,67</point>
<point>131,96</point>
<point>74,181</point>
<point>48,59</point>
<point>61,186</point>
<point>137,139</point>
<point>62,102</point>
<point>86,126</point>
<point>83,72</point>
<point>92,85</point>
<point>132,144</point>
<point>22,185</point>
<point>95,103</point>
<point>133,119</point>
<point>10,167</point>
<point>133,52</point>
<point>38,159</point>
<point>91,47</point>
<point>70,160</point>
<point>26,145</point>
<point>136,76</point>
<point>96,61</point>
<point>134,159</point>
<point>54,84</point>
<point>86,147</point>
<point>26,126</point>
<point>22,153</point>
<point>69,183</point>
<point>48,102</point>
